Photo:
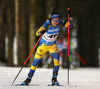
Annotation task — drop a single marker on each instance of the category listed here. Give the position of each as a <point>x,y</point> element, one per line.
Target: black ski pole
<point>52,7</point>
<point>26,60</point>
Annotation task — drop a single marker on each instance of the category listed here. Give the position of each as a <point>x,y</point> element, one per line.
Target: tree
<point>10,25</point>
<point>2,32</point>
<point>32,28</point>
<point>23,26</point>
<point>17,29</point>
<point>89,34</point>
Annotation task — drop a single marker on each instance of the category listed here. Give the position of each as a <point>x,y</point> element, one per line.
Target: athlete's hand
<point>41,32</point>
<point>71,18</point>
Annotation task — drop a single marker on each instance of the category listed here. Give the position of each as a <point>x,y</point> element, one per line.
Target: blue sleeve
<point>72,24</point>
<point>46,24</point>
<point>62,22</point>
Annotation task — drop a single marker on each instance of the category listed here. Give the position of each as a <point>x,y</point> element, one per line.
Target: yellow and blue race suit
<point>48,43</point>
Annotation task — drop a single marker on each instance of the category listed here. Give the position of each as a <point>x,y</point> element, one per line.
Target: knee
<point>56,62</point>
<point>56,58</point>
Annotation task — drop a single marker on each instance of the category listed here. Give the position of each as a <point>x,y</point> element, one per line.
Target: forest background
<point>21,19</point>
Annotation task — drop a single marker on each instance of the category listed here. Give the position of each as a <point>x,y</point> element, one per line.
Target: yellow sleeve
<point>40,29</point>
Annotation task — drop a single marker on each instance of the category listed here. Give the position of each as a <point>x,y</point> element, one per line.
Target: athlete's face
<point>55,22</point>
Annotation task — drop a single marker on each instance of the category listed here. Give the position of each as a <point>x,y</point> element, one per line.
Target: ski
<point>27,85</point>
<point>13,85</point>
<point>55,85</point>
<point>5,85</point>
<point>19,85</point>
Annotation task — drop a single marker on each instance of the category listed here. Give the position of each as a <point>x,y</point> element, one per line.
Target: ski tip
<point>5,85</point>
<point>12,85</point>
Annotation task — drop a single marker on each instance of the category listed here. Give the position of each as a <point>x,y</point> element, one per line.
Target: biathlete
<point>48,43</point>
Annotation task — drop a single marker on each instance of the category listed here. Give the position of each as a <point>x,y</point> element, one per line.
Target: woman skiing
<point>49,31</point>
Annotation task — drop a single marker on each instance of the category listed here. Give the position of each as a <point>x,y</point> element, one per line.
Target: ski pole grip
<point>69,12</point>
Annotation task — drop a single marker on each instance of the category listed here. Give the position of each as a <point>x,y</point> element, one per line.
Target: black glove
<point>41,32</point>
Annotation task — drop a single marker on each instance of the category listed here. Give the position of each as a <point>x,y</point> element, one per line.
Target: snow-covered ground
<point>80,78</point>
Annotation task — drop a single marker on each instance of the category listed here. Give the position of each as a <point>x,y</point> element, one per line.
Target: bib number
<point>53,36</point>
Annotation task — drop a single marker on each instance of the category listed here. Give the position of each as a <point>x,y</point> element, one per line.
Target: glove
<point>41,32</point>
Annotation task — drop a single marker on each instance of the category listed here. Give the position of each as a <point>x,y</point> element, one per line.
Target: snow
<point>79,78</point>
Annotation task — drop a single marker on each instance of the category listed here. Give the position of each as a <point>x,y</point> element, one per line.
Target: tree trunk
<point>2,33</point>
<point>17,29</point>
<point>23,32</point>
<point>47,6</point>
<point>89,42</point>
<point>10,28</point>
<point>32,30</point>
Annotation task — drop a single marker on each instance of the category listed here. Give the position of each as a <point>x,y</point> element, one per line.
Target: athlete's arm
<point>40,31</point>
<point>65,22</point>
<point>43,28</point>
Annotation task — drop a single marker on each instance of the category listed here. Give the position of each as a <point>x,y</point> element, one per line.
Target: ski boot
<point>54,80</point>
<point>27,81</point>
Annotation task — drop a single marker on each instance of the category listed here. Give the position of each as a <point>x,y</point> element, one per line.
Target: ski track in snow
<point>80,78</point>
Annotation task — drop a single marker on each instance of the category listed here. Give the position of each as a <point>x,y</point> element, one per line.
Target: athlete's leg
<point>55,54</point>
<point>41,50</point>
